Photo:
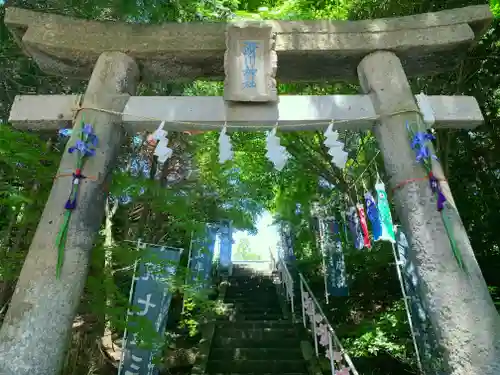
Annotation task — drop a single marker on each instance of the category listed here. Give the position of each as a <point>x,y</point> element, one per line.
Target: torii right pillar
<point>458,305</point>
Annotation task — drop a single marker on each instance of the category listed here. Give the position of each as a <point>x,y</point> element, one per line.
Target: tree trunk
<point>108,228</point>
<point>458,305</point>
<point>36,330</point>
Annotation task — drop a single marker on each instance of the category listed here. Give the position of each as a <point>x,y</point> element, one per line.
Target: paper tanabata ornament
<point>335,147</point>
<point>385,213</point>
<point>364,225</point>
<point>276,153</point>
<point>373,216</point>
<point>355,228</point>
<point>162,151</point>
<point>225,148</point>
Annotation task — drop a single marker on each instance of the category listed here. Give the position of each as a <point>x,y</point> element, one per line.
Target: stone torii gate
<point>38,323</point>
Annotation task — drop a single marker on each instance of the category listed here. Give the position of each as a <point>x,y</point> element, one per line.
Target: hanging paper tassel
<point>385,213</point>
<point>225,148</point>
<point>373,216</point>
<point>162,151</point>
<point>276,153</point>
<point>355,228</point>
<point>335,147</point>
<point>364,226</point>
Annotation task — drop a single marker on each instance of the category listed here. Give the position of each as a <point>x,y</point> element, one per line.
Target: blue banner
<point>331,246</point>
<point>226,245</point>
<point>150,299</point>
<point>202,254</point>
<point>426,341</point>
<point>286,248</point>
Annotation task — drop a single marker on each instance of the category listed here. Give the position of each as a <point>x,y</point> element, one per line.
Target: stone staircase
<point>255,337</point>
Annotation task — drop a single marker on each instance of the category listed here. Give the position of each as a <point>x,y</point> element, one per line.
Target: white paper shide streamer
<point>225,149</point>
<point>276,153</point>
<point>335,147</point>
<point>162,151</point>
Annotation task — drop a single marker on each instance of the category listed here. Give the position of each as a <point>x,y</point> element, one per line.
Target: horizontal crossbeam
<point>183,113</point>
<point>307,50</point>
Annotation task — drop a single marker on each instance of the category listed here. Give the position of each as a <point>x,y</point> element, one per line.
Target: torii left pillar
<point>37,327</point>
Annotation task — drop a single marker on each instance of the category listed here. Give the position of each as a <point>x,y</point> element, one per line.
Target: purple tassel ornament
<point>436,189</point>
<point>71,202</point>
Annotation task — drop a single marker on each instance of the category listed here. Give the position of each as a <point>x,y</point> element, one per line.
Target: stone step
<point>242,317</point>
<point>256,373</point>
<point>252,306</point>
<point>258,298</point>
<point>254,301</point>
<point>255,353</point>
<point>252,284</point>
<point>257,333</point>
<point>251,281</point>
<point>253,309</point>
<point>251,294</point>
<point>274,314</point>
<point>231,342</point>
<point>256,366</point>
<point>251,287</point>
<point>244,302</point>
<point>247,288</point>
<point>256,324</point>
<point>258,316</point>
<point>251,276</point>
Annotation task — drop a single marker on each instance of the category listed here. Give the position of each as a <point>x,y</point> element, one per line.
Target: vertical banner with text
<point>426,341</point>
<point>150,300</point>
<point>202,254</point>
<point>331,247</point>
<point>226,244</point>
<point>286,236</point>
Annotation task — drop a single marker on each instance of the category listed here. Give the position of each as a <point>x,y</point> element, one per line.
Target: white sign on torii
<point>384,51</point>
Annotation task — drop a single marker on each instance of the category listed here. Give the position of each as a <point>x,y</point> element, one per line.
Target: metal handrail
<point>287,280</point>
<point>288,283</point>
<point>273,259</point>
<point>328,324</point>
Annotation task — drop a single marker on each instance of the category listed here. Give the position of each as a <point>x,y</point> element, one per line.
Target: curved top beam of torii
<point>425,43</point>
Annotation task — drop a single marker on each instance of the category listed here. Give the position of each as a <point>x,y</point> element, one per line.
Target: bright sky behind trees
<point>266,237</point>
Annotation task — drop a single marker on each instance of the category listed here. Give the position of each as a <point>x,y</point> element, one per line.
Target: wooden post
<point>37,327</point>
<point>459,306</point>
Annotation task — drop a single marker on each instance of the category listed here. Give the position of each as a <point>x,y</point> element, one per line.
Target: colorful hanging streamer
<point>355,228</point>
<point>84,147</point>
<point>373,216</point>
<point>420,143</point>
<point>385,213</point>
<point>364,226</point>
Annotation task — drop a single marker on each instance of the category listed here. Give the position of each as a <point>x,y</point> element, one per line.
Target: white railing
<point>272,260</point>
<point>286,281</point>
<point>325,340</point>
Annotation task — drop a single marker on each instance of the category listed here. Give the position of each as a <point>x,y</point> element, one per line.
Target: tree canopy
<point>167,204</point>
